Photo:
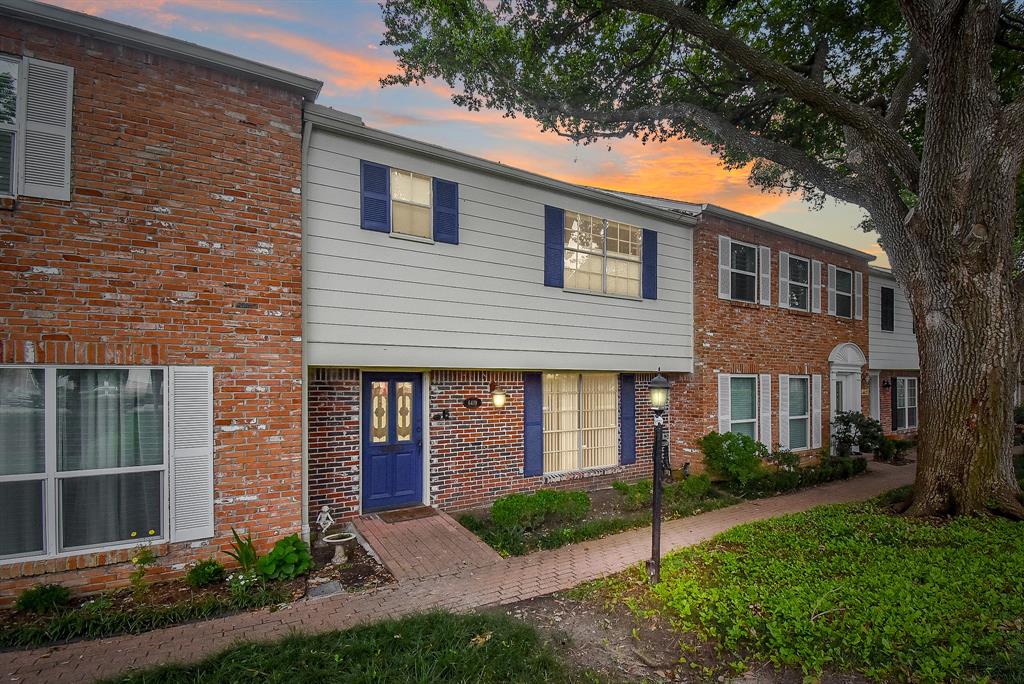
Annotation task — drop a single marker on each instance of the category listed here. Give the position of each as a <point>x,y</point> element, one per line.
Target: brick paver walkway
<point>425,547</point>
<point>505,581</point>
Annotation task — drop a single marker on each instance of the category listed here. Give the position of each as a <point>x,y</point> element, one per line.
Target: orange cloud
<point>162,10</point>
<point>347,70</point>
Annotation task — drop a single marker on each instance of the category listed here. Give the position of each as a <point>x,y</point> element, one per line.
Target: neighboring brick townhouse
<point>894,366</point>
<point>150,298</point>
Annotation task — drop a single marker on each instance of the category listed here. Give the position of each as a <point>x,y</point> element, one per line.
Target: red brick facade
<point>180,246</point>
<point>737,337</point>
<point>476,454</point>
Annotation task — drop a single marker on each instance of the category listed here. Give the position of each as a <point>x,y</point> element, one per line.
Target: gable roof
<point>123,34</point>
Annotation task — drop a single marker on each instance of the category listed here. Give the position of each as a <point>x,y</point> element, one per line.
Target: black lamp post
<point>659,388</point>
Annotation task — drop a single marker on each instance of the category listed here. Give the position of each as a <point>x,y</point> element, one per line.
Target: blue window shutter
<point>375,182</point>
<point>446,211</point>
<point>554,261</point>
<point>650,264</point>
<point>627,418</point>
<point>533,425</point>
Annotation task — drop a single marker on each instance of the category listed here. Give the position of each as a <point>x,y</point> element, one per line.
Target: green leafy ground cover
<point>850,588</point>
<point>437,647</point>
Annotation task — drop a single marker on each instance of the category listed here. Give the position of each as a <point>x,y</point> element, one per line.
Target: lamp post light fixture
<point>658,394</point>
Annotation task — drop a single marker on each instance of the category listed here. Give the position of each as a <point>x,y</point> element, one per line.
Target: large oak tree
<point>911,109</point>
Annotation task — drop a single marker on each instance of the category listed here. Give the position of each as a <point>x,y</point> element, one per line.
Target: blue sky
<point>338,43</point>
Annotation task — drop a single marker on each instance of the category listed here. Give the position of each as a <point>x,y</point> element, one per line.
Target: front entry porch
<point>423,542</point>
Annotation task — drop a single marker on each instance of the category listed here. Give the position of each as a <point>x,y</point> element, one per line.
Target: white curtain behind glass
<point>22,451</point>
<point>109,418</point>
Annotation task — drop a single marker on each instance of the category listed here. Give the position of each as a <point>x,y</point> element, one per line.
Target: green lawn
<point>850,588</point>
<point>437,647</point>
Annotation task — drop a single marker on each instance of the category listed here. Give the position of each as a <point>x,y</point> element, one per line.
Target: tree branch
<point>905,86</point>
<point>620,122</point>
<point>904,162</point>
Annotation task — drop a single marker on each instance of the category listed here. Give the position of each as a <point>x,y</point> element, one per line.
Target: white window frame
<point>429,206</point>
<point>52,476</point>
<point>839,293</point>
<point>17,127</point>
<point>566,249</point>
<point>806,416</point>
<point>905,409</point>
<point>579,426</point>
<point>790,283</point>
<point>756,273</point>
<point>756,420</point>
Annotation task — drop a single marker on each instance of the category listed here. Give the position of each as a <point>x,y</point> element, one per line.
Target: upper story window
<point>601,255</point>
<point>406,203</point>
<point>410,204</point>
<point>844,293</point>
<point>887,299</point>
<point>581,421</point>
<point>743,271</point>
<point>799,283</point>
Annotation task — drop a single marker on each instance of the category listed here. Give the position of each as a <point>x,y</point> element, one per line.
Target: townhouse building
<point>150,313</point>
<point>894,365</point>
<point>473,330</point>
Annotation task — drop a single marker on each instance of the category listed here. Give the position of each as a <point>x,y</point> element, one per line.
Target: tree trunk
<point>969,357</point>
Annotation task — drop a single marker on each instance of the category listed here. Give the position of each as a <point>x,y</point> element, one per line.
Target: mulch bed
<point>362,571</point>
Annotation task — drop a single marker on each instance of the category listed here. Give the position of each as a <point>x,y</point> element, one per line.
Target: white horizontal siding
<point>374,300</point>
<point>896,350</point>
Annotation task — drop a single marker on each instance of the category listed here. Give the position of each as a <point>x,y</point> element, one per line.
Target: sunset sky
<point>337,41</point>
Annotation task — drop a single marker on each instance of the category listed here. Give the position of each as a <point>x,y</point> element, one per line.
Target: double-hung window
<point>581,421</point>
<point>743,271</point>
<point>83,458</point>
<point>906,403</point>
<point>799,412</point>
<point>887,299</point>
<point>799,283</point>
<point>9,72</point>
<point>601,255</point>
<point>410,204</point>
<point>844,293</point>
<point>743,405</point>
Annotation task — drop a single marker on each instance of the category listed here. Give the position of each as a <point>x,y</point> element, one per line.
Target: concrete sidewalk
<point>504,581</point>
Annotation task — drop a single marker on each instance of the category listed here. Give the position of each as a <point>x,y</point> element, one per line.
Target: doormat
<point>403,514</point>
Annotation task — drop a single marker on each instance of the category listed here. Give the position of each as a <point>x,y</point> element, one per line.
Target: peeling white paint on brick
<point>45,270</point>
<point>222,198</point>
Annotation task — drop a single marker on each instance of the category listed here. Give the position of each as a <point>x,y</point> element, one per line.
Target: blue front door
<point>392,440</point>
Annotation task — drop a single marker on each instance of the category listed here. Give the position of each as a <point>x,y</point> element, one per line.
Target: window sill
<point>798,312</point>
<point>411,238</point>
<point>628,298</point>
<point>582,473</point>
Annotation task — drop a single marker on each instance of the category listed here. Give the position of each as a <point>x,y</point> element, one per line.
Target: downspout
<point>307,132</point>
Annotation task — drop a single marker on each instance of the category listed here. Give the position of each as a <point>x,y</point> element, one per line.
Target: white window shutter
<point>765,264</point>
<point>815,411</point>
<point>724,263</point>
<point>858,295</point>
<point>724,403</point>
<point>816,286</point>
<point>831,290</point>
<point>45,147</point>
<point>191,438</point>
<point>784,280</point>
<point>784,411</point>
<point>764,406</point>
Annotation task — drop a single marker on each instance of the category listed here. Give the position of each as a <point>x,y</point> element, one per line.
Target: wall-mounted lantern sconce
<point>886,384</point>
<point>498,396</point>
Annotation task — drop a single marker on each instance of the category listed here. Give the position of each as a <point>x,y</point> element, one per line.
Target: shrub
<point>733,456</point>
<point>243,551</point>
<point>784,459</point>
<point>636,497</point>
<point>43,598</point>
<point>778,481</point>
<point>288,559</point>
<point>891,449</point>
<point>693,487</point>
<point>527,512</point>
<point>204,573</point>
<point>852,428</point>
